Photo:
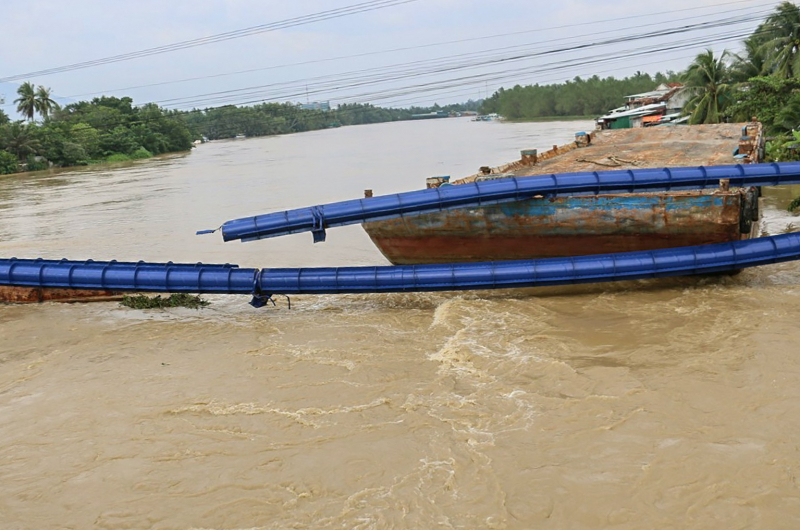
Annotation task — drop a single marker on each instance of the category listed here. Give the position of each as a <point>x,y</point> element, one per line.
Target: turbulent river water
<point>649,404</point>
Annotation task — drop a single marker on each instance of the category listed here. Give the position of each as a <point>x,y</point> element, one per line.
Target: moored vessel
<point>543,227</point>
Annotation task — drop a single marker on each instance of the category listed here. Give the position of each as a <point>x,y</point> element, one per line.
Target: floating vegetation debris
<point>141,301</point>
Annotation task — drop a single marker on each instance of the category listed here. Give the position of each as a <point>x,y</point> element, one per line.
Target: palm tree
<point>26,102</point>
<point>788,118</point>
<point>18,139</point>
<point>782,40</point>
<point>707,79</point>
<point>753,62</point>
<point>34,100</point>
<point>44,104</point>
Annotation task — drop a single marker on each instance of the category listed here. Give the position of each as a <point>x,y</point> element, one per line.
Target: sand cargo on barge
<point>544,227</point>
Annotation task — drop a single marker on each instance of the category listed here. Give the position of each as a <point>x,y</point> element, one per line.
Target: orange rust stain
<point>32,295</point>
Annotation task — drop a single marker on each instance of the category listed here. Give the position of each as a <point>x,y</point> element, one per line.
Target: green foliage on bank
<point>111,129</point>
<point>579,97</point>
<point>106,129</point>
<point>157,302</point>
<point>267,119</point>
<point>8,163</point>
<point>596,96</point>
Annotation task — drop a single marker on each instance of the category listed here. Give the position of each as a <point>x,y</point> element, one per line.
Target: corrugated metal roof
<point>641,111</point>
<point>651,94</point>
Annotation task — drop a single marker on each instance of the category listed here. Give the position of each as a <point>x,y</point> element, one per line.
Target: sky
<point>391,53</point>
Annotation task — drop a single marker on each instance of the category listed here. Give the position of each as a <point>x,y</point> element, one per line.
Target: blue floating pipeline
<point>263,284</point>
<point>702,259</point>
<point>122,276</point>
<point>316,219</point>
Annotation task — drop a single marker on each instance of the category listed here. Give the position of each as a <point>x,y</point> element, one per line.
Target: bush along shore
<point>106,129</point>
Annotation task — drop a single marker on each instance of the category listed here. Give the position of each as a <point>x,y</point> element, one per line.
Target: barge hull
<point>566,226</point>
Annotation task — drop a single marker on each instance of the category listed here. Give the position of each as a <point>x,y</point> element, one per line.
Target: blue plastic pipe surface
<point>121,276</point>
<point>531,273</point>
<point>229,279</point>
<point>317,218</point>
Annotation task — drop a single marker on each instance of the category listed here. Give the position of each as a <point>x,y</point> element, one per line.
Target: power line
<point>448,61</point>
<point>436,67</point>
<point>463,62</point>
<point>505,75</point>
<point>443,43</point>
<point>517,74</point>
<point>555,66</point>
<point>535,72</point>
<point>362,7</point>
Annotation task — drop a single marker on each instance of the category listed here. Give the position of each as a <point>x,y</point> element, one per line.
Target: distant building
<point>663,105</point>
<point>429,115</point>
<point>316,105</point>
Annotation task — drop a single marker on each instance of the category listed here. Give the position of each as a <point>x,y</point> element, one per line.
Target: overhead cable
<point>262,28</point>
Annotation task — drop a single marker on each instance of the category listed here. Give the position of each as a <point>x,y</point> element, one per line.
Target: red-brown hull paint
<point>32,295</point>
<point>560,227</point>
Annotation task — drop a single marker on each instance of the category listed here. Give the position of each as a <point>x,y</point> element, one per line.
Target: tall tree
<point>20,141</point>
<point>782,40</point>
<point>708,80</point>
<point>43,103</point>
<point>753,61</point>
<point>26,102</point>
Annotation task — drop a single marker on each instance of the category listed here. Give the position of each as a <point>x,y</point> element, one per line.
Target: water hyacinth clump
<point>174,300</point>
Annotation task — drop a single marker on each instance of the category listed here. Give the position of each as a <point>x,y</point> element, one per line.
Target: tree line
<point>283,118</point>
<point>587,98</point>
<point>103,129</point>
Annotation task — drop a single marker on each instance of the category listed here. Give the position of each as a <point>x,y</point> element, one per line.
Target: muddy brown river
<point>668,403</point>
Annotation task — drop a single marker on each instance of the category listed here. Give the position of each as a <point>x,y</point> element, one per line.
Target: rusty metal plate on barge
<point>557,227</point>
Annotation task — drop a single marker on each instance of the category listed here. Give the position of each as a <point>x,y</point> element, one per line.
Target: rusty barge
<point>546,227</point>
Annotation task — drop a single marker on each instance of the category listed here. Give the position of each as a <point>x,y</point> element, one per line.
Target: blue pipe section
<point>317,218</point>
<point>262,284</point>
<point>700,259</point>
<point>122,276</point>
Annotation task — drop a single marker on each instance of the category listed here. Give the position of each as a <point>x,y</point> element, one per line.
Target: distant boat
<point>431,115</point>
